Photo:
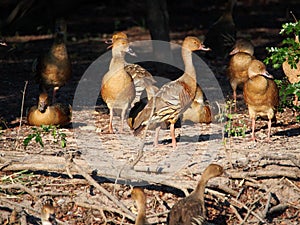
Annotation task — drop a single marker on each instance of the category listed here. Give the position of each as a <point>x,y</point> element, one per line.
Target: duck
<point>260,94</point>
<point>48,213</point>
<point>138,195</point>
<point>237,71</point>
<point>54,68</point>
<point>191,209</point>
<point>174,97</point>
<point>293,74</point>
<point>222,34</point>
<point>142,78</point>
<point>117,87</point>
<point>45,114</point>
<point>199,111</point>
<point>150,91</point>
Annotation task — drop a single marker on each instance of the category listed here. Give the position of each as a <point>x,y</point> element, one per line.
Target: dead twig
<point>19,186</point>
<point>141,150</point>
<point>106,208</point>
<point>101,189</point>
<point>236,213</point>
<point>293,158</point>
<point>265,175</point>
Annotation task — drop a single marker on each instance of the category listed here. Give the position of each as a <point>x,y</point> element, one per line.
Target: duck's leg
<point>253,129</point>
<point>156,136</point>
<point>110,127</point>
<point>269,130</point>
<point>122,119</point>
<point>234,99</point>
<point>172,131</point>
<point>55,89</point>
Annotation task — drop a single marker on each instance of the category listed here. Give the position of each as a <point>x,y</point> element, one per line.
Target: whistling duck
<point>117,88</point>
<point>48,213</point>
<point>45,114</point>
<point>221,35</point>
<point>199,111</point>
<point>191,209</point>
<point>174,97</point>
<point>260,94</point>
<point>293,74</point>
<point>237,72</point>
<point>54,68</point>
<point>139,196</point>
<point>141,77</point>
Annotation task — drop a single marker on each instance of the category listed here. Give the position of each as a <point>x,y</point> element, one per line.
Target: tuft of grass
<point>39,132</point>
<point>233,127</point>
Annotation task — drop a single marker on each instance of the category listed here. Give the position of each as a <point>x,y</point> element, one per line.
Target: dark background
<point>90,22</point>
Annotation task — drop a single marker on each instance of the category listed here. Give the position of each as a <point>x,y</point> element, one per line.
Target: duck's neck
<point>228,10</point>
<point>259,83</point>
<point>140,219</point>
<point>189,75</point>
<point>60,51</point>
<point>199,191</point>
<point>118,61</point>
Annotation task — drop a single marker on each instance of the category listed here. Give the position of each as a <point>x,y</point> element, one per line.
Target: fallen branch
<point>265,175</point>
<point>292,158</point>
<point>105,192</point>
<point>106,208</point>
<point>19,186</point>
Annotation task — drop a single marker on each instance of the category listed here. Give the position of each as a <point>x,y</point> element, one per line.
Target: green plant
<point>290,49</point>
<point>233,126</point>
<point>40,132</point>
<point>17,177</point>
<point>290,52</point>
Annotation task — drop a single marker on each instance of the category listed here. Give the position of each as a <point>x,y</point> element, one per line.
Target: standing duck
<point>117,88</point>
<point>48,213</point>
<point>293,74</point>
<point>174,97</point>
<point>45,114</point>
<point>260,94</point>
<point>191,209</point>
<point>138,195</point>
<point>199,111</point>
<point>141,77</point>
<point>242,55</point>
<point>221,35</point>
<point>54,68</point>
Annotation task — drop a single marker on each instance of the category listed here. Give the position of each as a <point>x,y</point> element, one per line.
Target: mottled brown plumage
<point>199,111</point>
<point>54,68</point>
<point>151,90</point>
<point>221,35</point>
<point>174,97</point>
<point>117,88</point>
<point>138,195</point>
<point>239,63</point>
<point>260,94</point>
<point>45,114</point>
<point>48,213</point>
<point>191,209</point>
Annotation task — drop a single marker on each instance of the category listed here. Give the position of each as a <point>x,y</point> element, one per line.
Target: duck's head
<point>257,68</point>
<point>43,102</point>
<point>242,45</point>
<point>193,44</point>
